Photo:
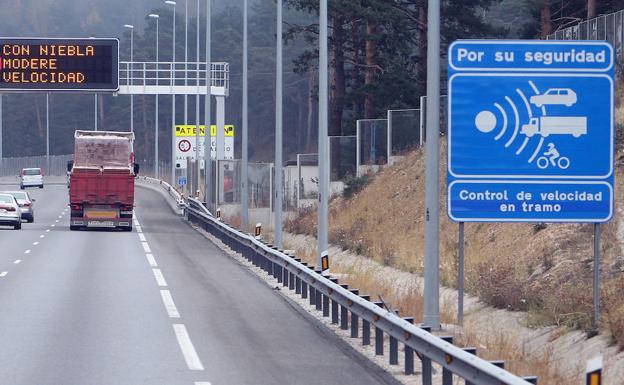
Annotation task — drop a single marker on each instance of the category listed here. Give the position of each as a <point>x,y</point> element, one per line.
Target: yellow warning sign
<point>190,130</point>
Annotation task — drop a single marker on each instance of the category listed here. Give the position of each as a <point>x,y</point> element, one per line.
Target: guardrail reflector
<point>594,371</point>
<point>324,261</point>
<point>258,232</point>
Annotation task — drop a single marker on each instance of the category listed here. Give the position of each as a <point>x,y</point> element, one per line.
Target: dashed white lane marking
<point>160,279</point>
<point>146,247</point>
<point>27,251</point>
<point>60,216</point>
<point>142,237</point>
<point>4,273</point>
<point>57,221</point>
<point>47,230</point>
<point>202,383</point>
<point>151,260</point>
<point>17,261</point>
<point>188,350</point>
<point>172,310</point>
<point>35,243</point>
<point>42,236</point>
<point>52,225</point>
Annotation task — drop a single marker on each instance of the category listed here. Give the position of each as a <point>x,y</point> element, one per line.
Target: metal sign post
<point>278,132</point>
<point>323,161</point>
<point>432,181</point>
<point>531,134</point>
<point>460,275</point>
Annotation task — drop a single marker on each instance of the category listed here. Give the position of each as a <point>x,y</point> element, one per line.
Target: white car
<point>554,96</point>
<point>10,213</point>
<point>31,177</point>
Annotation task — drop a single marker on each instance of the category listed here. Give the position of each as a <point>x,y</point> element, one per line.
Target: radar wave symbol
<point>487,121</point>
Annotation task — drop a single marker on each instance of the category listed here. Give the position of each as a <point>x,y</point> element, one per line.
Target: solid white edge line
<point>142,237</point>
<point>17,261</point>
<point>172,310</point>
<point>139,229</point>
<point>188,350</point>
<point>160,279</point>
<point>151,260</point>
<point>4,273</point>
<point>146,247</point>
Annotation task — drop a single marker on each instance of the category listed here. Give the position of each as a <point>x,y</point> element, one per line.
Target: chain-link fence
<point>342,157</point>
<point>57,165</point>
<point>606,27</point>
<point>404,132</point>
<point>372,145</point>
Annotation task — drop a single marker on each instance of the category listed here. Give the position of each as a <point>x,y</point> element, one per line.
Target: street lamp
<point>173,106</point>
<point>154,16</point>
<point>131,28</point>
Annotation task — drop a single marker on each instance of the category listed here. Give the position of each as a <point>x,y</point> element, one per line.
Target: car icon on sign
<point>564,96</point>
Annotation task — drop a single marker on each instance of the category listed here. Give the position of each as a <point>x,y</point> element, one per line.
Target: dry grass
<point>542,268</point>
<point>498,344</point>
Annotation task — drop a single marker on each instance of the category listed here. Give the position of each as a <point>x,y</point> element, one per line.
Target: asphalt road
<point>159,305</point>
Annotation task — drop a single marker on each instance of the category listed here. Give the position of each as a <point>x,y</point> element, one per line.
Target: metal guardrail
<point>348,308</point>
<point>173,193</point>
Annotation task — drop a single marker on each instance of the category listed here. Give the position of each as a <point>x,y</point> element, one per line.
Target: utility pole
<point>48,133</point>
<point>278,131</point>
<point>173,105</point>
<point>245,144</point>
<point>323,159</point>
<point>432,181</point>
<point>207,100</point>
<point>156,157</point>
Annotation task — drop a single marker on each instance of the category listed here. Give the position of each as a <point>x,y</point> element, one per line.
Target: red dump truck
<point>101,180</point>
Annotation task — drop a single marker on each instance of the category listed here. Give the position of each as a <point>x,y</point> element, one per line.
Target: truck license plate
<point>100,224</point>
<point>101,214</point>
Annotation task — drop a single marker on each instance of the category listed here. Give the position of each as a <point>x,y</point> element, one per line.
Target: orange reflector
<point>325,262</point>
<point>594,378</point>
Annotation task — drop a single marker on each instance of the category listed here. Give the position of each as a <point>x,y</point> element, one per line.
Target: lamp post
<point>173,106</point>
<point>245,148</point>
<point>131,28</point>
<point>323,158</point>
<point>207,106</point>
<point>186,60</point>
<point>156,17</point>
<point>278,131</point>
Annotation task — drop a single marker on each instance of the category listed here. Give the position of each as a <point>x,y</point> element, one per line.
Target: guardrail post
<point>409,353</point>
<point>312,295</point>
<point>355,319</point>
<point>318,299</point>
<point>474,352</point>
<point>394,350</point>
<point>297,284</point>
<point>291,277</point>
<point>325,305</point>
<point>530,379</point>
<point>427,370</point>
<point>365,326</point>
<point>285,276</point>
<point>334,306</point>
<point>447,375</point>
<point>344,313</point>
<point>379,338</point>
<point>304,285</point>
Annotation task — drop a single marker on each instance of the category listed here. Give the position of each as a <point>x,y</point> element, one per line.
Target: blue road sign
<point>530,135</point>
<point>182,181</point>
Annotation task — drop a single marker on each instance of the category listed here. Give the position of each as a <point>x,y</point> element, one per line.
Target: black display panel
<point>38,64</point>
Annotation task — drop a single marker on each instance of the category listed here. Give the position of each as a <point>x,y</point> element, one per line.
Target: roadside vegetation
<point>543,269</point>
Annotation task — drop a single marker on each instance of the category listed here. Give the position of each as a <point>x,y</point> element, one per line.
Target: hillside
<point>544,269</point>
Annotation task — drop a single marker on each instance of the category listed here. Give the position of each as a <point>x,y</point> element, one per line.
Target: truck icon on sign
<point>556,125</point>
<point>555,96</point>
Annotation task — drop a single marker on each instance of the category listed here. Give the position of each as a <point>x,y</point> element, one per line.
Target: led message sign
<point>59,64</point>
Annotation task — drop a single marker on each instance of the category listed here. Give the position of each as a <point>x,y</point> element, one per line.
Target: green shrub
<point>354,185</point>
